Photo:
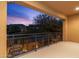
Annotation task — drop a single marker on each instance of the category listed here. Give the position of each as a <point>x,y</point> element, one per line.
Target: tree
<point>15,28</point>
<point>47,23</point>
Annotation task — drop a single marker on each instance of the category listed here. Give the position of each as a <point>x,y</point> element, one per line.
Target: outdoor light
<point>77,8</point>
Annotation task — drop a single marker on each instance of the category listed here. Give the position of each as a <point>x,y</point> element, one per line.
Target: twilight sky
<point>18,14</point>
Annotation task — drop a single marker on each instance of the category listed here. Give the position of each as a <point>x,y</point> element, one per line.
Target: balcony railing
<point>22,43</point>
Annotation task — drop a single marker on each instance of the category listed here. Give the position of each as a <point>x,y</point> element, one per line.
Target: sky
<point>17,14</point>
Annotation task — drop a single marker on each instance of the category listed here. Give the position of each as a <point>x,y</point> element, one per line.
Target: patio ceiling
<point>61,9</point>
<point>64,7</point>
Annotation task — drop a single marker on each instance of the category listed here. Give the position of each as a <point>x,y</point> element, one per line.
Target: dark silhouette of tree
<point>15,28</point>
<point>48,23</point>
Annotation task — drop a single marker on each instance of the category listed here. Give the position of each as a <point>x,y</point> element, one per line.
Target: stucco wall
<point>65,30</point>
<point>3,29</point>
<point>73,28</point>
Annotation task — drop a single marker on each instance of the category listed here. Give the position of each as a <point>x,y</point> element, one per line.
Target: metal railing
<point>22,43</point>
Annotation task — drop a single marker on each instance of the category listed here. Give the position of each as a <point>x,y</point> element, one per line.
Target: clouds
<point>15,10</point>
<point>17,20</point>
<point>17,14</point>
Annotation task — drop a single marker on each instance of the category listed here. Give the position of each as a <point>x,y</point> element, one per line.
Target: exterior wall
<point>65,30</point>
<point>73,28</point>
<point>3,18</point>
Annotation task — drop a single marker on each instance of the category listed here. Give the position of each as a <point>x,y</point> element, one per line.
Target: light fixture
<point>77,8</point>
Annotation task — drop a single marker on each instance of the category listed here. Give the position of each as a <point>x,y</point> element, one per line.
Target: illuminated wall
<point>73,28</point>
<point>3,17</point>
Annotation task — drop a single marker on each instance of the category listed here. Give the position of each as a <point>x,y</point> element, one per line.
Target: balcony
<point>68,11</point>
<point>24,43</point>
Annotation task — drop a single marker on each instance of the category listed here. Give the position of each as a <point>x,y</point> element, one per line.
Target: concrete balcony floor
<point>58,50</point>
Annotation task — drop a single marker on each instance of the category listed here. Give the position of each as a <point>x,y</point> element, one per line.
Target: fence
<point>22,43</point>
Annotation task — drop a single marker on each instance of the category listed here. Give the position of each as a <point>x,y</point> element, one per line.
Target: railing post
<point>36,46</point>
<point>48,39</point>
<point>13,45</point>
